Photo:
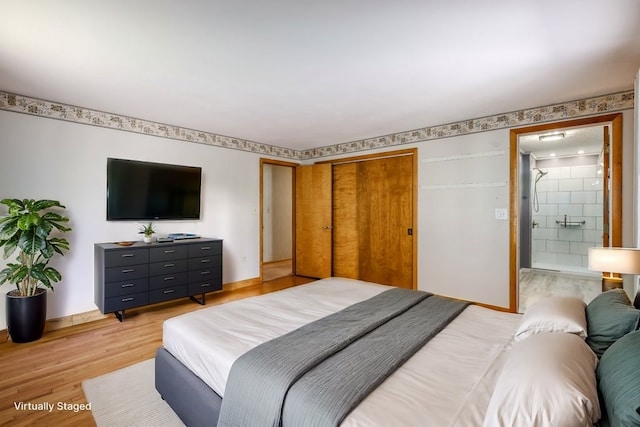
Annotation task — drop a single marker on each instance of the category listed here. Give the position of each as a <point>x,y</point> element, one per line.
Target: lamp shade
<point>615,260</point>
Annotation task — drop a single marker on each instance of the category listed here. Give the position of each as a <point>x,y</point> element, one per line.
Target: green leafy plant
<point>147,230</point>
<point>26,229</point>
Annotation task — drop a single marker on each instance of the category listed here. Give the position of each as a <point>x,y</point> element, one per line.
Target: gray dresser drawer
<point>168,267</point>
<point>206,274</point>
<point>158,282</point>
<point>128,272</point>
<point>126,257</point>
<point>126,287</point>
<point>204,287</point>
<point>126,301</point>
<point>205,249</point>
<point>166,294</point>
<point>205,262</point>
<point>168,253</point>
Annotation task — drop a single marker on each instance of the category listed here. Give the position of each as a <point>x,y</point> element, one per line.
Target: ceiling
<point>576,141</point>
<point>305,74</point>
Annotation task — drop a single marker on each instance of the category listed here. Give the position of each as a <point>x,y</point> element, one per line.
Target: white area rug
<point>128,397</point>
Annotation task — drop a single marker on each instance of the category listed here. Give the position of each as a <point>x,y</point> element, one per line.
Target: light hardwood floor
<point>52,369</point>
<point>277,269</point>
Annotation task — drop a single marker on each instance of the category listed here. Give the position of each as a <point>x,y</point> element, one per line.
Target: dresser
<point>143,274</point>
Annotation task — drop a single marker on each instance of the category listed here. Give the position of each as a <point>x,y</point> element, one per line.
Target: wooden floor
<point>52,369</point>
<point>277,269</point>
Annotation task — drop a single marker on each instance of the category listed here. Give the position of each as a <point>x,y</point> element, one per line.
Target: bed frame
<point>190,398</point>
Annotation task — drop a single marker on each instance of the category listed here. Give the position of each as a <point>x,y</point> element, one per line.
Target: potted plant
<point>148,231</point>
<point>27,229</point>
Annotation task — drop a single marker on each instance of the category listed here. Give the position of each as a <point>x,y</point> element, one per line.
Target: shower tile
<point>561,197</point>
<point>592,237</point>
<point>570,235</point>
<point>558,246</point>
<point>586,171</point>
<point>583,197</point>
<point>592,210</point>
<point>569,210</point>
<point>576,184</point>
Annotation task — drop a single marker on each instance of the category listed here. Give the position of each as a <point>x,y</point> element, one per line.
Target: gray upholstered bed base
<point>189,397</point>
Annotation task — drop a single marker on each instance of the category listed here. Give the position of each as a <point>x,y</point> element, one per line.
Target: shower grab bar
<point>566,223</point>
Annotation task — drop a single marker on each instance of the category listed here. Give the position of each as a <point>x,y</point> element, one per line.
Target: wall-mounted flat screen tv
<point>139,190</point>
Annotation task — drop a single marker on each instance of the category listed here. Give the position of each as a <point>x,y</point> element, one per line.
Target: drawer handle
<point>170,251</point>
<point>205,272</point>
<point>205,285</point>
<point>205,248</point>
<point>126,299</point>
<point>128,270</point>
<point>128,255</point>
<point>128,285</point>
<point>168,291</point>
<point>169,265</point>
<point>205,261</point>
<point>169,278</point>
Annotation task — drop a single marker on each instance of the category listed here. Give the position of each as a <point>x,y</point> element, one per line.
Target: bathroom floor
<point>537,284</point>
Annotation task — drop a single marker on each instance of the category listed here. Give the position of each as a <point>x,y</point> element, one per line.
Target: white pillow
<point>554,314</point>
<point>547,380</point>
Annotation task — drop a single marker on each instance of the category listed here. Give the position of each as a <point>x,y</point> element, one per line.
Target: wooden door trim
<point>292,165</point>
<point>616,185</point>
<point>386,154</point>
<point>365,157</point>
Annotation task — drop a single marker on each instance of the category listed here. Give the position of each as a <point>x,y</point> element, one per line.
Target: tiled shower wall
<point>574,191</point>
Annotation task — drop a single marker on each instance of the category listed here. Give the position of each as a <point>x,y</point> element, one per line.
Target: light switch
<point>502,213</point>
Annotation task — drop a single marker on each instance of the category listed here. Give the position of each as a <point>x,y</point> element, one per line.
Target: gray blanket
<point>315,375</point>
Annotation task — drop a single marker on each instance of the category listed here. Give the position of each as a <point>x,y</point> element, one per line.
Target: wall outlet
<point>502,213</point>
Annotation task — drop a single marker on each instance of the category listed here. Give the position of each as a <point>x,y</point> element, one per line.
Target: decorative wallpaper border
<point>557,112</point>
<point>70,113</point>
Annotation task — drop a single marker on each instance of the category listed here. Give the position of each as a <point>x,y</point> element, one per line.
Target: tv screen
<point>152,191</point>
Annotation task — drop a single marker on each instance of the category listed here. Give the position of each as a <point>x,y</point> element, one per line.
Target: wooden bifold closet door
<point>373,220</point>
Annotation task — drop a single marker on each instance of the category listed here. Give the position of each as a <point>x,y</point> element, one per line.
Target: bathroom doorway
<point>564,175</point>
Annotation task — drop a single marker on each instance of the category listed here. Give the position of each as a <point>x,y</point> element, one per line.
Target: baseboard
<point>241,284</point>
<point>90,316</point>
<point>73,319</point>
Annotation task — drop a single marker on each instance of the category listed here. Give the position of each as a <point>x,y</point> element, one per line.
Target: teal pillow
<point>618,375</point>
<point>610,316</point>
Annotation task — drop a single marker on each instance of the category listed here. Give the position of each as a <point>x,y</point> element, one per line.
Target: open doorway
<point>277,218</point>
<point>565,198</point>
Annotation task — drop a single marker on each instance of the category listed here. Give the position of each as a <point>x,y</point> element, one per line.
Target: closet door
<point>373,220</point>
<point>313,221</point>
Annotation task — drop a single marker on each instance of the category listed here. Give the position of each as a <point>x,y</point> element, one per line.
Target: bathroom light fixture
<point>614,261</point>
<point>551,137</point>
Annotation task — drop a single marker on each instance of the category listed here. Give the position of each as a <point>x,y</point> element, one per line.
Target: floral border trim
<point>566,110</point>
<point>70,113</point>
<point>573,109</point>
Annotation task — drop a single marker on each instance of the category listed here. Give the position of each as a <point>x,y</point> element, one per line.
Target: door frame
<point>616,188</point>
<point>414,193</point>
<point>293,167</point>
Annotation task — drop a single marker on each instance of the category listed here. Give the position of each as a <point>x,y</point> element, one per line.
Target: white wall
<point>43,158</point>
<point>463,250</point>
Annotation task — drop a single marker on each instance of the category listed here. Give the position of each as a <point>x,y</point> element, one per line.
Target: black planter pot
<point>26,316</point>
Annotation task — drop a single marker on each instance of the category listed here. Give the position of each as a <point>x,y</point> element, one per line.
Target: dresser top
<point>139,244</point>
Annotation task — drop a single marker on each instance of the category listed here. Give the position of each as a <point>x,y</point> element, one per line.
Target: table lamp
<point>614,261</point>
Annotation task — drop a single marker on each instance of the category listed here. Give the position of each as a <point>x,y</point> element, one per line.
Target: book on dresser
<point>139,274</point>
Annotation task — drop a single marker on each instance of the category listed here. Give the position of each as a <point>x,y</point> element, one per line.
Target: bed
<point>462,376</point>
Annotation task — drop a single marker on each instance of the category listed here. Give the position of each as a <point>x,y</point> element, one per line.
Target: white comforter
<point>447,383</point>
